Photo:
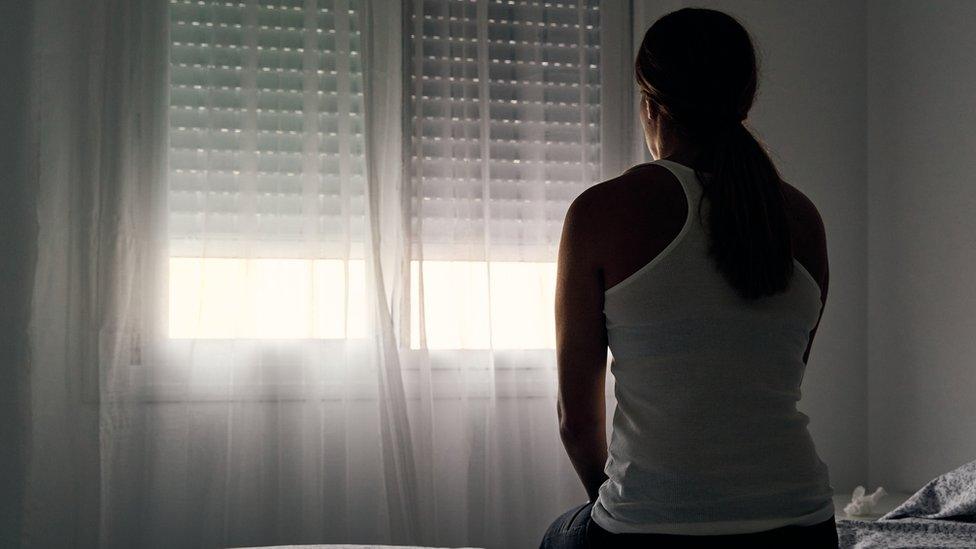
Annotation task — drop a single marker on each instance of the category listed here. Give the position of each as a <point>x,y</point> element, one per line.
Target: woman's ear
<point>646,108</point>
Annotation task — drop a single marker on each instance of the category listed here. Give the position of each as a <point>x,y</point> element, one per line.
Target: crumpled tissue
<point>861,504</point>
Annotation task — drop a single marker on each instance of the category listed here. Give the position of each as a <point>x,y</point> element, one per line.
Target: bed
<point>941,514</point>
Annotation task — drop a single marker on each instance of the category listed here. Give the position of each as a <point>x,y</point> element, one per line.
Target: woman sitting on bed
<point>706,275</point>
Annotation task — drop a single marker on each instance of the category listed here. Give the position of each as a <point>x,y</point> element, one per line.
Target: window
<point>505,114</point>
<point>266,196</point>
<point>485,305</point>
<point>266,169</point>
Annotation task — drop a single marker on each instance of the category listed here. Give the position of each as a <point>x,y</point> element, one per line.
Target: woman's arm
<point>581,346</point>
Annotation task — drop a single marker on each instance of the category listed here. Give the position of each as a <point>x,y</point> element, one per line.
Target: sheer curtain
<point>96,149</point>
<point>295,266</point>
<point>504,130</point>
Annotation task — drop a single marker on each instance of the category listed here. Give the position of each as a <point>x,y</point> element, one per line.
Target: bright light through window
<point>457,314</point>
<point>225,298</point>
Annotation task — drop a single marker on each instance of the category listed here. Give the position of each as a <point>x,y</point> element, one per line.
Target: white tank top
<point>706,436</point>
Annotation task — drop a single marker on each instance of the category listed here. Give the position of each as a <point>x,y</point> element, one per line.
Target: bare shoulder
<point>804,214</point>
<point>602,208</point>
<point>809,235</point>
<point>602,198</point>
<point>800,201</point>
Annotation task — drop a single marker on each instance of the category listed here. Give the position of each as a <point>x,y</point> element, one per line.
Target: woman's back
<point>706,436</point>
<point>645,208</point>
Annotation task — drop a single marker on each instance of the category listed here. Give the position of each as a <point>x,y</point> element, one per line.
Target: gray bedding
<point>941,514</point>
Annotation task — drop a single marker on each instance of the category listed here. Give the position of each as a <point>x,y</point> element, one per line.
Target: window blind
<point>505,123</point>
<point>266,129</point>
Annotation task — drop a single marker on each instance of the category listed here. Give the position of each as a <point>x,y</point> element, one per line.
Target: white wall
<point>811,113</point>
<point>921,240</point>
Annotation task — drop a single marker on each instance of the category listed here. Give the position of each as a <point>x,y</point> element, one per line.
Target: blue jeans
<point>569,530</point>
<point>574,529</point>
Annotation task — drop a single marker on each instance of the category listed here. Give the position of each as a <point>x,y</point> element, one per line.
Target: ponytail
<point>698,67</point>
<point>749,231</point>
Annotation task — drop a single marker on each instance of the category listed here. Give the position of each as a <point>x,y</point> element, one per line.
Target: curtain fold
<point>97,139</point>
<point>381,143</point>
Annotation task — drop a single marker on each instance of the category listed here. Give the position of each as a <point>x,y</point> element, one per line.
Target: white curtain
<point>95,159</point>
<point>295,263</point>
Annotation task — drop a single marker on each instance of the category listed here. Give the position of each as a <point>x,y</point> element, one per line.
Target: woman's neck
<point>678,148</point>
<point>686,156</point>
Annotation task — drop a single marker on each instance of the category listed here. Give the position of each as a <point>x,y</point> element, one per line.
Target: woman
<point>706,275</point>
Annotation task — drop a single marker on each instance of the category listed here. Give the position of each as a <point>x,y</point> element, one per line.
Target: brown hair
<point>698,68</point>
